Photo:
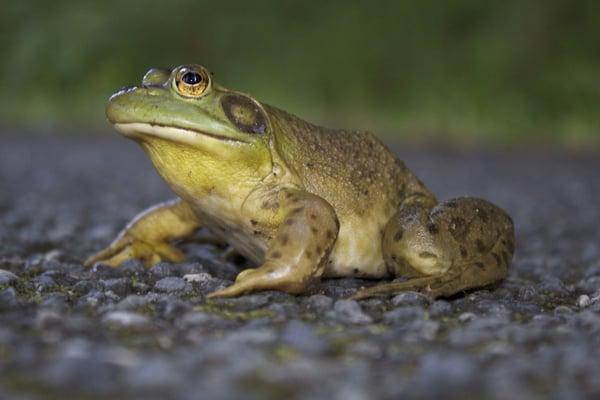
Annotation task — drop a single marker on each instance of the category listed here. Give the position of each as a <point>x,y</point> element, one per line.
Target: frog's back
<point>352,170</point>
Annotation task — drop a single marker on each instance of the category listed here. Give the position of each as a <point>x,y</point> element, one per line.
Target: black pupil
<point>191,78</point>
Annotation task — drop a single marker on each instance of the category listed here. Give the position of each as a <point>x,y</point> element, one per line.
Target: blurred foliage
<point>498,70</point>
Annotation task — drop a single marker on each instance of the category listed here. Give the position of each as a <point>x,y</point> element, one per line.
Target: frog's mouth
<point>139,130</point>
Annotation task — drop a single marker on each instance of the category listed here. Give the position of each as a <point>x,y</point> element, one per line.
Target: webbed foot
<point>126,248</point>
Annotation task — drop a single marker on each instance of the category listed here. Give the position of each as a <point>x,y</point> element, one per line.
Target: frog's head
<point>190,125</point>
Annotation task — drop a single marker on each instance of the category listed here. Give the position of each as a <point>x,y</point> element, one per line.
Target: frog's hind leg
<point>458,245</point>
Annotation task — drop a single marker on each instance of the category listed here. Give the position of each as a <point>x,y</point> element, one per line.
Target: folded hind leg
<point>457,245</point>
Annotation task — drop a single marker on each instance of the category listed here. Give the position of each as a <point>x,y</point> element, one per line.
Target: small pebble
<point>200,277</point>
<point>7,277</point>
<point>171,284</point>
<point>349,311</point>
<point>583,301</point>
<point>126,319</point>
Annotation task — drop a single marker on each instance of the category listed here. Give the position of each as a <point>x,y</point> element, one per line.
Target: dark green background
<point>507,71</point>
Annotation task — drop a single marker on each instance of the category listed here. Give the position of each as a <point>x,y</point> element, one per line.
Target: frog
<point>301,202</point>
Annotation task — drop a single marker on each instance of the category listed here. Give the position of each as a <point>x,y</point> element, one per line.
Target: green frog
<point>300,201</point>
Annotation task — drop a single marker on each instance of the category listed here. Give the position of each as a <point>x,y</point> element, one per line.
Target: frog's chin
<point>141,131</point>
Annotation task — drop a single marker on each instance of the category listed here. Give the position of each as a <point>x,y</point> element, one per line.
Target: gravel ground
<point>68,332</point>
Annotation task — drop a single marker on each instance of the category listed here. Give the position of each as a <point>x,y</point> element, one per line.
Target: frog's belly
<point>230,228</point>
<point>248,245</point>
<point>357,251</point>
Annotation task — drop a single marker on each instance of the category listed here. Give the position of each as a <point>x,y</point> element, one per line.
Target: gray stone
<point>349,311</point>
<point>172,285</point>
<point>56,301</point>
<point>7,277</point>
<point>302,337</point>
<point>44,283</point>
<point>103,271</point>
<point>403,314</point>
<point>83,287</point>
<point>198,278</point>
<point>133,268</point>
<point>119,286</point>
<point>126,319</point>
<point>132,302</point>
<point>439,373</point>
<point>318,303</point>
<point>161,270</point>
<point>170,308</point>
<point>410,299</point>
<point>8,298</point>
<point>440,308</point>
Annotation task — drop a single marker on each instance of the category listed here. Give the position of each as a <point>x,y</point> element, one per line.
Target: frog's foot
<point>461,244</point>
<point>128,248</point>
<point>266,277</point>
<point>443,285</point>
<point>429,285</point>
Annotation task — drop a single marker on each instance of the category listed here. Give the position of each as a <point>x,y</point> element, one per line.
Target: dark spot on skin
<point>329,234</point>
<point>394,257</point>
<point>366,192</point>
<point>480,265</point>
<point>356,271</point>
<point>313,216</point>
<point>270,270</point>
<point>463,252</point>
<point>433,228</point>
<point>482,215</point>
<point>426,254</point>
<point>480,246</point>
<point>314,230</point>
<point>253,222</point>
<point>309,254</point>
<point>308,165</point>
<point>256,232</point>
<point>244,113</point>
<point>290,222</point>
<point>398,235</point>
<point>283,239</point>
<point>267,205</point>
<point>451,204</point>
<point>408,214</point>
<point>497,258</point>
<point>288,195</point>
<point>275,254</point>
<point>319,250</point>
<point>297,210</point>
<point>458,228</point>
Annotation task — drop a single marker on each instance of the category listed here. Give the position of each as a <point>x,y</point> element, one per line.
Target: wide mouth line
<point>196,131</point>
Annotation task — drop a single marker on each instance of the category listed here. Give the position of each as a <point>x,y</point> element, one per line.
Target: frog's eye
<point>191,82</point>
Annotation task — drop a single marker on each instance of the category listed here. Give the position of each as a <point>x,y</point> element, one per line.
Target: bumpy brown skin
<point>302,201</point>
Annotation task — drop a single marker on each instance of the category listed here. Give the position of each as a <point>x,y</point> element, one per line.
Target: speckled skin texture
<point>299,200</point>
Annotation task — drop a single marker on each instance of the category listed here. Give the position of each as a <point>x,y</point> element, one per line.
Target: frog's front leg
<point>457,245</point>
<point>299,251</point>
<point>148,235</point>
